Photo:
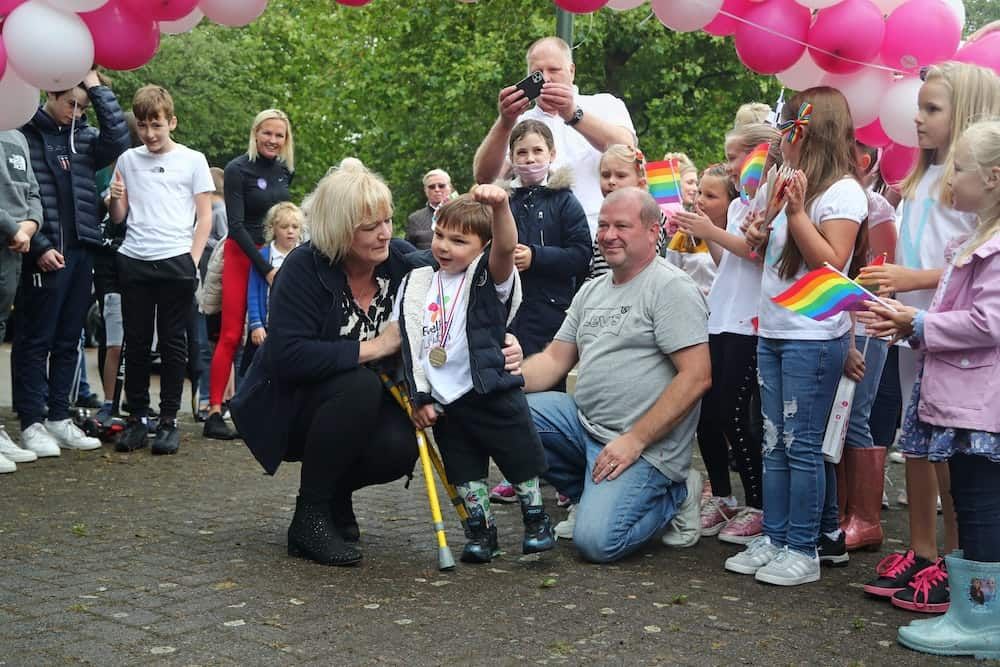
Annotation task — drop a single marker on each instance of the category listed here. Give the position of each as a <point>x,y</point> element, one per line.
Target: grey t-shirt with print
<point>624,335</point>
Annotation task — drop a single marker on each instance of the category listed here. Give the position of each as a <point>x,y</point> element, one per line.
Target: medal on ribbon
<point>438,356</point>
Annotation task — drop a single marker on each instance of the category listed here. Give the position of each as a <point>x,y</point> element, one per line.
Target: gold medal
<point>437,356</point>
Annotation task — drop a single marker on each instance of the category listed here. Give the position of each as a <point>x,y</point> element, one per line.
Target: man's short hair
<point>436,172</point>
<point>649,210</point>
<point>468,216</point>
<point>558,42</point>
<point>150,101</point>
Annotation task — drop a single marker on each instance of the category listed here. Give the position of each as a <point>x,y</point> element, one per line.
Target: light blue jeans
<point>615,517</point>
<point>859,433</point>
<point>798,380</point>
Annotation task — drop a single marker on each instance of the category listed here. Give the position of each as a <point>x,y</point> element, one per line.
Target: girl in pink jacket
<point>957,416</point>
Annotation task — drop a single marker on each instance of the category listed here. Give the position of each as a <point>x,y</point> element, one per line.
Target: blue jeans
<point>859,434</point>
<point>798,379</point>
<point>615,517</point>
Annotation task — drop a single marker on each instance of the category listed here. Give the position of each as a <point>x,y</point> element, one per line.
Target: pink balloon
<point>235,13</point>
<point>919,33</point>
<point>122,40</point>
<point>896,163</point>
<point>581,6</point>
<point>354,3</point>
<point>852,29</point>
<point>723,26</point>
<point>768,53</point>
<point>872,135</point>
<point>984,52</point>
<point>6,6</point>
<point>160,10</point>
<point>685,16</point>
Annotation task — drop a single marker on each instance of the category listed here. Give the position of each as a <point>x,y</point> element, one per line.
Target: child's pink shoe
<point>744,527</point>
<point>503,493</point>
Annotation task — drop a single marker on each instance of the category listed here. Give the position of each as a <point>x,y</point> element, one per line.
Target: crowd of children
<point>509,257</point>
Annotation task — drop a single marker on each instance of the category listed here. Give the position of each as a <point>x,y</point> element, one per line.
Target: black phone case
<point>531,85</point>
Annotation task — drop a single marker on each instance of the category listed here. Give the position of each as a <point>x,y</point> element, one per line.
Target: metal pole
<point>564,25</point>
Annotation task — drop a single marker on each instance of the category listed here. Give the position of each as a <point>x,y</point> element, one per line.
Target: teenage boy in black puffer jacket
<point>56,276</point>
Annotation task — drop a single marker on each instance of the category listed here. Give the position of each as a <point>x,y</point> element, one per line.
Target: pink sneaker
<point>715,514</point>
<point>563,501</point>
<point>503,493</point>
<point>744,527</point>
<point>706,490</point>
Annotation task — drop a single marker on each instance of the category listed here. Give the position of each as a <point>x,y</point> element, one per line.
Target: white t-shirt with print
<point>735,295</point>
<point>844,200</point>
<point>161,189</point>
<point>573,149</point>
<point>925,229</point>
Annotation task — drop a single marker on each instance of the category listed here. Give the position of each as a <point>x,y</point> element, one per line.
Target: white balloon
<point>233,12</point>
<point>888,5</point>
<point>685,15</point>
<point>898,110</point>
<point>49,49</point>
<point>622,5</point>
<point>863,90</point>
<point>803,74</point>
<point>18,101</point>
<point>817,4</point>
<point>77,5</point>
<point>182,24</point>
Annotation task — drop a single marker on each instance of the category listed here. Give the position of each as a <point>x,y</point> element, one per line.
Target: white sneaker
<point>789,568</point>
<point>10,451</point>
<point>896,456</point>
<point>36,439</point>
<point>564,529</point>
<point>69,435</point>
<point>685,528</point>
<point>758,553</point>
<point>6,465</point>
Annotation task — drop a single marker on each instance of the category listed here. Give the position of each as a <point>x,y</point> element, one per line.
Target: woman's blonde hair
<point>752,135</point>
<point>983,142</point>
<point>627,154</point>
<point>750,113</point>
<point>975,95</point>
<point>826,156</point>
<point>346,198</point>
<point>279,213</point>
<point>287,153</point>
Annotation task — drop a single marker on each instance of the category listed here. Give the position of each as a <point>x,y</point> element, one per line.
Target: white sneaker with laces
<point>758,553</point>
<point>896,456</point>
<point>69,435</point>
<point>685,528</point>
<point>564,529</point>
<point>38,440</point>
<point>789,568</point>
<point>6,465</point>
<point>10,451</point>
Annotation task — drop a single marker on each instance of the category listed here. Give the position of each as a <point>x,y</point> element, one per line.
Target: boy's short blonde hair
<point>282,212</point>
<point>466,215</point>
<point>150,101</point>
<point>218,180</point>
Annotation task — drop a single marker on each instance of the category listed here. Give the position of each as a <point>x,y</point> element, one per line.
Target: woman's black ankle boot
<point>312,535</point>
<point>342,512</point>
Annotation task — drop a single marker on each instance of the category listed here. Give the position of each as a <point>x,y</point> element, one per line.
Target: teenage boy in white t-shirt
<point>158,189</point>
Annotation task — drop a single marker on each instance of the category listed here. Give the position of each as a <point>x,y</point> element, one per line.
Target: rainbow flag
<point>823,293</point>
<point>663,179</point>
<point>752,172</point>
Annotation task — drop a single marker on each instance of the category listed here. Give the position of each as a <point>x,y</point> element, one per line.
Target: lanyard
<point>446,319</point>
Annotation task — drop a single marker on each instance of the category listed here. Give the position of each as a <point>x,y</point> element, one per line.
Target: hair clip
<point>795,127</point>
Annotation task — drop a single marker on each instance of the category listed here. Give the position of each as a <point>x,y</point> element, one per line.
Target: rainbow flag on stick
<point>823,293</point>
<point>752,172</point>
<point>663,179</point>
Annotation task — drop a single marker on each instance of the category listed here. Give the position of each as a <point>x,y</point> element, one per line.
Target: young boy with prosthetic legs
<point>452,318</point>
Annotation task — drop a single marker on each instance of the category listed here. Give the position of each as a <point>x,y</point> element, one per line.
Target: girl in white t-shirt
<point>800,360</point>
<point>953,96</point>
<point>730,412</point>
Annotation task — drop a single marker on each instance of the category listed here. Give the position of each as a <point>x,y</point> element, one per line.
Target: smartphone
<point>531,85</point>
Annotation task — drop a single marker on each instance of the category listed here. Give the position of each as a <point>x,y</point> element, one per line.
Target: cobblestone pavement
<point>115,559</point>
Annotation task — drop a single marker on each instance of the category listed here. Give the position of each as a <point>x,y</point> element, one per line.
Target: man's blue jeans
<point>615,517</point>
<point>798,380</point>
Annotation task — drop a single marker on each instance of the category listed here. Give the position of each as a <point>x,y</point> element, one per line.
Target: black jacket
<point>551,221</point>
<point>94,150</point>
<point>303,346</point>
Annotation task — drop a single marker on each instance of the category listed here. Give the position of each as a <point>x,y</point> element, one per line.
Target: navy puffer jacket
<point>94,150</point>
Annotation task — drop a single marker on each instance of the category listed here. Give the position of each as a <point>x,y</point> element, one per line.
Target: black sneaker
<point>833,552</point>
<point>168,438</point>
<point>537,530</point>
<point>894,573</point>
<point>927,592</point>
<point>217,429</point>
<point>134,435</point>
<point>90,402</point>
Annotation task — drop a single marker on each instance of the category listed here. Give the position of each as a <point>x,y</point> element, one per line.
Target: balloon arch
<point>871,50</point>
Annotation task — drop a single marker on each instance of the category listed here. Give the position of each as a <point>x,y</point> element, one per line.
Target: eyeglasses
<point>436,186</point>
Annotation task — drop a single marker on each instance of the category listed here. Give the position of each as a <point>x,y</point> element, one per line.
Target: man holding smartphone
<point>583,125</point>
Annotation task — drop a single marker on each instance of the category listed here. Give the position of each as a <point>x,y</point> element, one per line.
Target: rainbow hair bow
<point>795,128</point>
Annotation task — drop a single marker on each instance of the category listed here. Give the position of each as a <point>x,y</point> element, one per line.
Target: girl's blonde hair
<point>752,135</point>
<point>627,154</point>
<point>983,141</point>
<point>975,95</point>
<point>826,156</point>
<point>721,172</point>
<point>346,198</point>
<point>287,153</point>
<point>686,164</point>
<point>751,113</point>
<point>279,213</point>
